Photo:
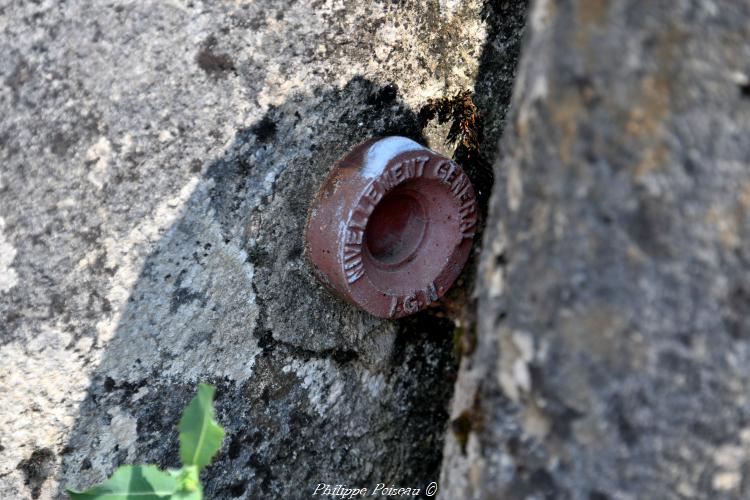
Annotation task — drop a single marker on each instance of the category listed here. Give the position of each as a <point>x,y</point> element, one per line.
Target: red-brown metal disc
<point>392,226</point>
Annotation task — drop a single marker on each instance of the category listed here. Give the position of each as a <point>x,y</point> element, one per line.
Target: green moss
<point>468,421</point>
<point>464,340</point>
<point>461,427</point>
<point>458,334</point>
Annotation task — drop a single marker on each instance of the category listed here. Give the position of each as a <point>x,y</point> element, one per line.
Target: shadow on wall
<point>309,389</point>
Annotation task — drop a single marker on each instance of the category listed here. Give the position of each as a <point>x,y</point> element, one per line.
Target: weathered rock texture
<point>613,345</point>
<point>157,163</point>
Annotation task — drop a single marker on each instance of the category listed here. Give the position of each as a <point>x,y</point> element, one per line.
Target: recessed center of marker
<point>396,228</point>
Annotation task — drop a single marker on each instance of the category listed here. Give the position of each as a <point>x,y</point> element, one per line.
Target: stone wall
<point>612,358</point>
<point>157,164</point>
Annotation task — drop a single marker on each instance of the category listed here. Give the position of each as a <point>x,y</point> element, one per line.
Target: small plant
<point>200,439</point>
<point>466,133</point>
<point>463,115</point>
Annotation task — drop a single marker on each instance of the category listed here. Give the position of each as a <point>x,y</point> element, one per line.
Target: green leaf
<point>200,434</point>
<point>142,482</point>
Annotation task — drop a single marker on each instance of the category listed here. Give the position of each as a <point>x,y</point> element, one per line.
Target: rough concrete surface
<point>156,163</point>
<point>612,355</point>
